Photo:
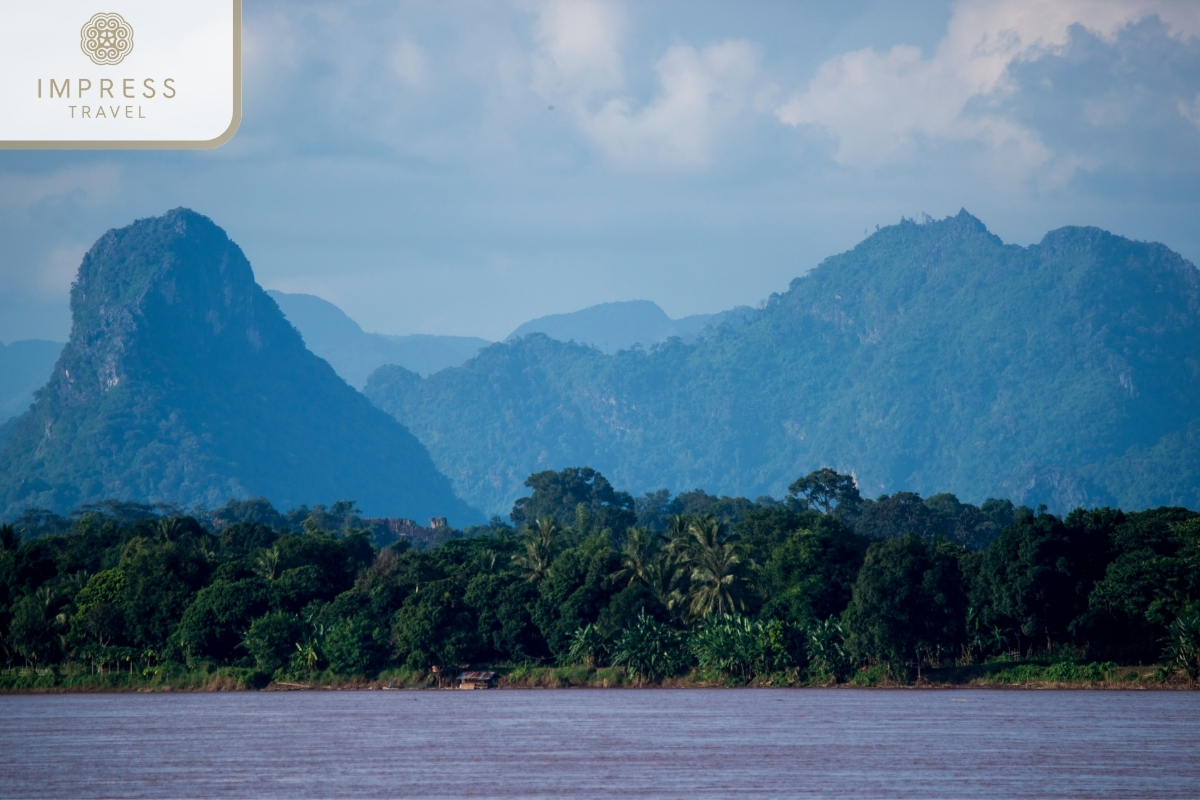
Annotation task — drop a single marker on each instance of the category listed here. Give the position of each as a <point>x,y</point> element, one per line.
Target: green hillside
<point>183,383</point>
<point>931,357</point>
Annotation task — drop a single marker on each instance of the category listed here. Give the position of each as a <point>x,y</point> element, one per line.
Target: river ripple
<point>614,743</point>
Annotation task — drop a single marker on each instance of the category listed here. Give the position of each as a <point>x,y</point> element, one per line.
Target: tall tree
<point>716,569</point>
<point>560,494</point>
<point>908,603</point>
<point>825,489</point>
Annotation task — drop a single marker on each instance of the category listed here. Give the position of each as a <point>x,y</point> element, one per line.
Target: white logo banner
<point>120,73</point>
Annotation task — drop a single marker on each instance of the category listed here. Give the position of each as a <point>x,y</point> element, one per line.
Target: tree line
<point>816,586</point>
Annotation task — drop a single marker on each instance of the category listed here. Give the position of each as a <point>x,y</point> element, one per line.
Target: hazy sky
<point>401,159</point>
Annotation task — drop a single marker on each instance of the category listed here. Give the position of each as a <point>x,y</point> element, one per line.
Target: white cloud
<point>878,105</point>
<point>579,48</point>
<point>700,92</point>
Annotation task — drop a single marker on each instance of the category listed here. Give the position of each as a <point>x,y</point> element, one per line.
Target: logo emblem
<point>106,39</point>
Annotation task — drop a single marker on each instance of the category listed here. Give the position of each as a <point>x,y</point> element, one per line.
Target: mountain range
<point>610,327</point>
<point>355,354</point>
<point>931,357</point>
<point>183,383</point>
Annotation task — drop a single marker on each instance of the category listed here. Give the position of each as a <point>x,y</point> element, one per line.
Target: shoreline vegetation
<point>590,587</point>
<point>1011,674</point>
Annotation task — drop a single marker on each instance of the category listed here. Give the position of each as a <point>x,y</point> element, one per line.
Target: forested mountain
<point>931,357</point>
<point>183,383</point>
<point>618,326</point>
<point>355,354</point>
<point>25,367</point>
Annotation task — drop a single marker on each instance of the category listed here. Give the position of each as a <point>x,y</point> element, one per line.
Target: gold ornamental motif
<point>106,39</point>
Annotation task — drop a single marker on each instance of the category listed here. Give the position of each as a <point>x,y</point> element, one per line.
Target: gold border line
<point>186,144</point>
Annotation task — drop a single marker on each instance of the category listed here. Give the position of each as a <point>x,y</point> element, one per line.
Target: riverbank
<point>992,675</point>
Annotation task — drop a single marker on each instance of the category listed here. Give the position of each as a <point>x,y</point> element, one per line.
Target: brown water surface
<point>650,743</point>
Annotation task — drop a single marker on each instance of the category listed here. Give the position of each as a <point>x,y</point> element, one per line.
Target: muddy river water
<point>614,743</point>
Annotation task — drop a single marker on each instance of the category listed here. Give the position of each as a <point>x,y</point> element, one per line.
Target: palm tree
<point>266,564</point>
<point>541,546</point>
<point>663,578</point>
<point>715,568</point>
<point>639,554</point>
<point>678,539</point>
<point>169,528</point>
<point>716,582</point>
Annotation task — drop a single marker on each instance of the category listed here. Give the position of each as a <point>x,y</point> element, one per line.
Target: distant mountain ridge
<point>618,326</point>
<point>931,357</point>
<point>355,354</point>
<point>183,383</point>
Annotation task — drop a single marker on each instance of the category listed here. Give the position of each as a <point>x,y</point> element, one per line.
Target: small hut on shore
<point>477,680</point>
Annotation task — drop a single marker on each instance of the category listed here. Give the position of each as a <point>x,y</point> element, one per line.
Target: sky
<point>461,167</point>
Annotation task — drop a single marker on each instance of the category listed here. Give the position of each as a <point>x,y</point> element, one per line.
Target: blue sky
<point>402,160</point>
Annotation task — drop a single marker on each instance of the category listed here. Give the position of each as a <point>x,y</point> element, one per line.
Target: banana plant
<point>1183,643</point>
<point>588,646</point>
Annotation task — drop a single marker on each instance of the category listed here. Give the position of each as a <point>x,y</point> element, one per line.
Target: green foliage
<point>1183,643</point>
<point>33,633</point>
<point>736,645</point>
<point>129,597</point>
<point>907,605</point>
<point>715,567</point>
<point>825,646</point>
<point>1036,578</point>
<point>1057,672</point>
<point>873,675</point>
<point>271,640</point>
<point>215,623</point>
<point>826,489</point>
<point>578,498</point>
<point>574,592</point>
<point>541,545</point>
<point>588,646</point>
<point>99,617</point>
<point>355,646</point>
<point>162,577</point>
<point>650,650</point>
<point>810,575</point>
<point>1153,578</point>
<point>435,628</point>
